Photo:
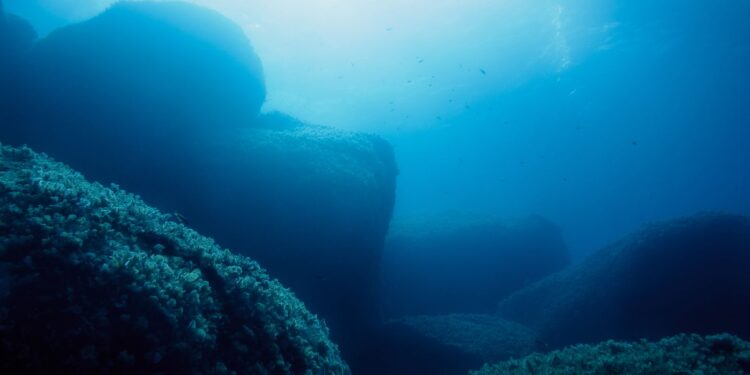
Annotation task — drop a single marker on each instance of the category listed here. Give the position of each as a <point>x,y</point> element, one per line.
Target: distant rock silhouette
<point>16,38</point>
<point>137,74</point>
<point>94,281</point>
<point>458,263</point>
<point>688,275</point>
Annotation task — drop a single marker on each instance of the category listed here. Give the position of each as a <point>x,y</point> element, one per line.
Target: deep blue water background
<point>654,127</point>
<point>598,115</point>
<point>521,131</point>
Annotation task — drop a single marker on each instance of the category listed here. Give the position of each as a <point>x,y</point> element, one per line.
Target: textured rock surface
<point>162,98</point>
<point>459,263</point>
<point>92,279</point>
<point>683,354</point>
<point>310,203</point>
<point>687,275</point>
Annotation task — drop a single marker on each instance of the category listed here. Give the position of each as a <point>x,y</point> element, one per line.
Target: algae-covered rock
<point>94,280</point>
<point>682,354</point>
<point>310,203</point>
<point>686,275</point>
<point>462,263</point>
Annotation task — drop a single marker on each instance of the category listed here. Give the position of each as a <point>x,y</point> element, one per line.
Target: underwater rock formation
<point>682,354</point>
<point>93,280</point>
<point>310,203</point>
<point>162,98</point>
<point>449,344</point>
<point>16,37</point>
<point>687,275</point>
<point>138,74</point>
<point>457,263</point>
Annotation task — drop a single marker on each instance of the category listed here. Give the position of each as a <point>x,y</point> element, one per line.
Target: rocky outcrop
<point>682,354</point>
<point>94,280</point>
<point>163,98</point>
<point>311,203</point>
<point>458,263</point>
<point>687,275</point>
<point>139,74</point>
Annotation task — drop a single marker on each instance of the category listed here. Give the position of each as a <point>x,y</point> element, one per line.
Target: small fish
<point>419,60</point>
<point>484,73</point>
<point>389,29</point>
<point>634,143</point>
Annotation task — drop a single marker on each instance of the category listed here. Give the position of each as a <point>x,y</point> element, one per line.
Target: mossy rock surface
<point>682,354</point>
<point>94,280</point>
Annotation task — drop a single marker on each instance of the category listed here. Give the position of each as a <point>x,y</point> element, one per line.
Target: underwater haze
<point>600,115</point>
<point>443,183</point>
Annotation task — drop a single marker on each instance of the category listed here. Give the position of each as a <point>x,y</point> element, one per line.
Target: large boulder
<point>93,280</point>
<point>448,344</point>
<point>162,98</point>
<point>139,74</point>
<point>311,203</point>
<point>461,263</point>
<point>688,275</point>
<point>721,354</point>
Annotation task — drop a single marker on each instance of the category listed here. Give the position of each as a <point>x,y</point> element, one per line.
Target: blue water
<point>591,117</point>
<point>599,115</point>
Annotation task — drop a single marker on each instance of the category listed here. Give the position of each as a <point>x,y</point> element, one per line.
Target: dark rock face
<point>688,275</point>
<point>312,204</point>
<point>93,280</point>
<point>449,344</point>
<point>681,354</point>
<point>465,264</point>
